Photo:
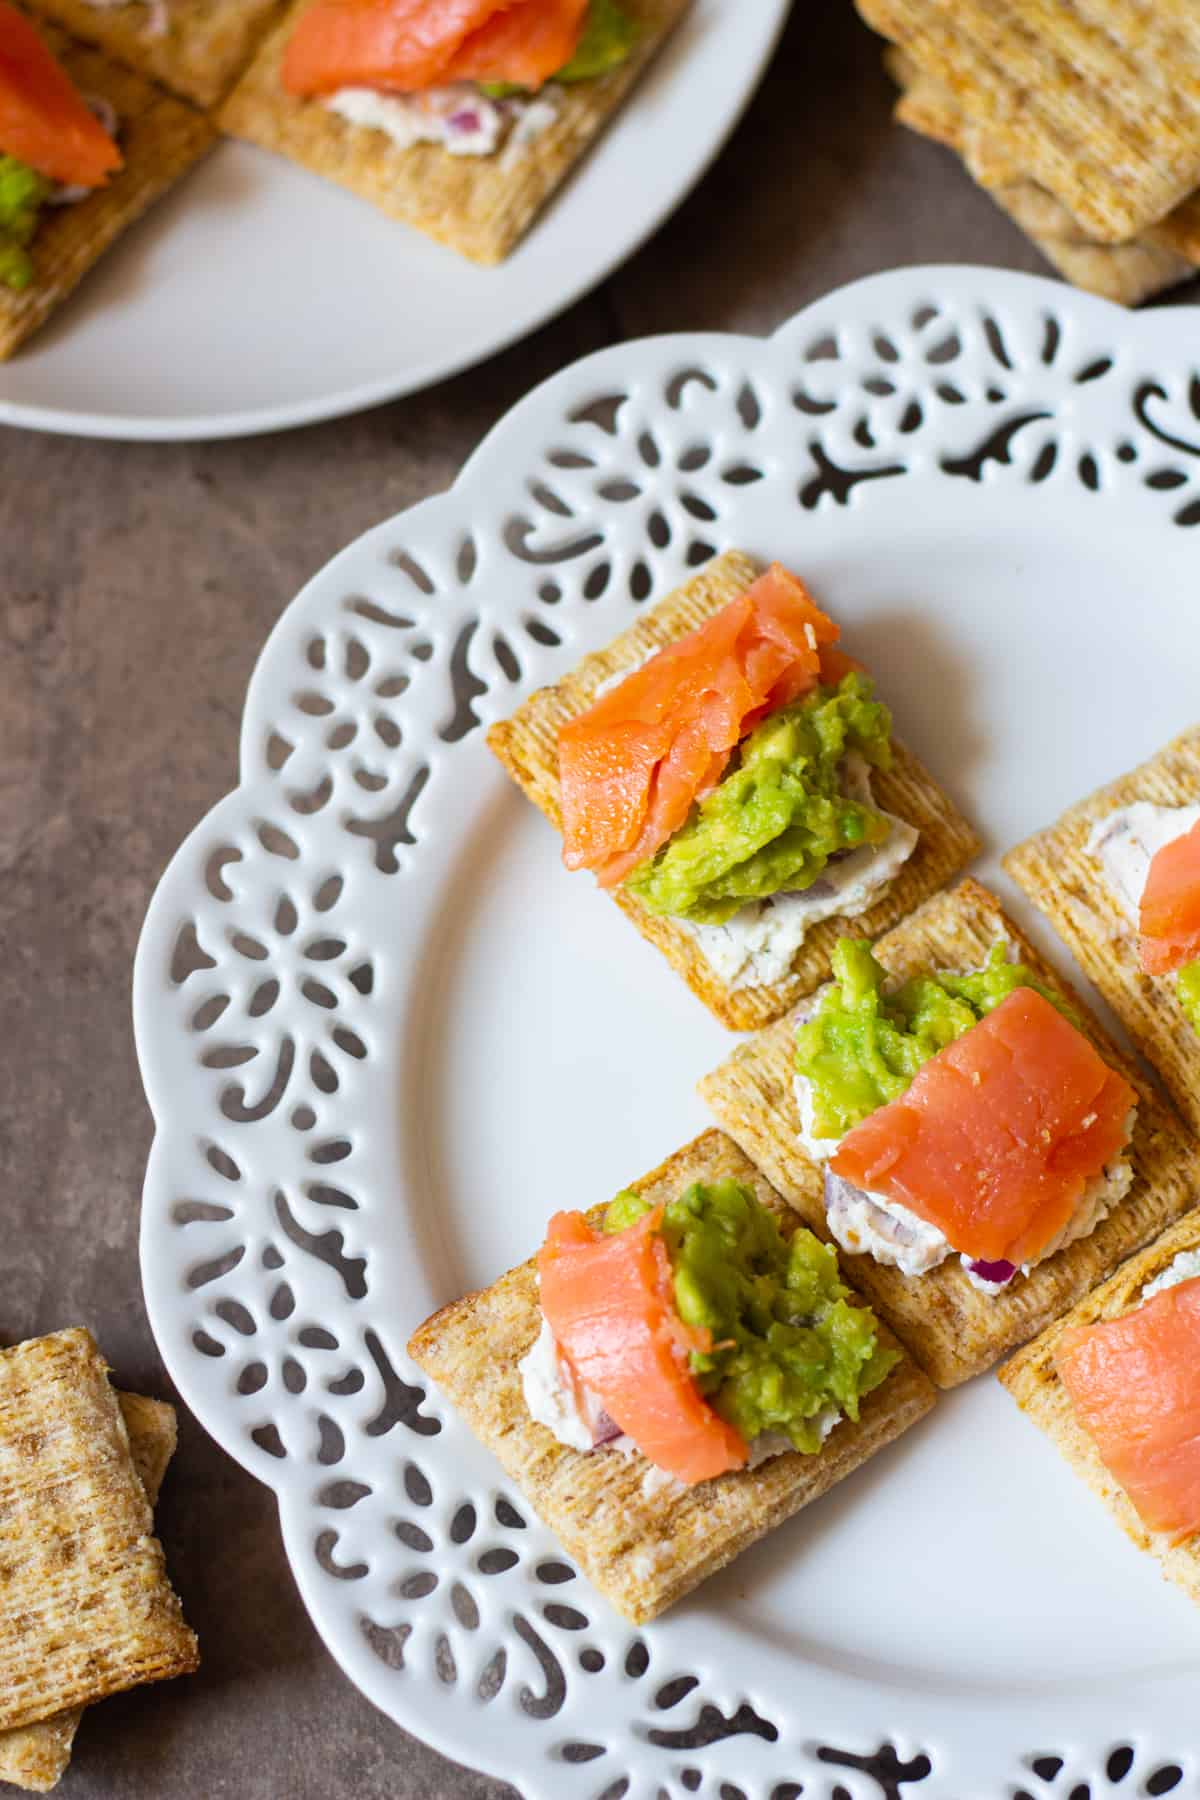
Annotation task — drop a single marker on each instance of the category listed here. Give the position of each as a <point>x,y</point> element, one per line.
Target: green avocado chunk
<point>607,40</point>
<point>1187,989</point>
<point>862,1048</point>
<point>778,814</point>
<point>787,1346</point>
<point>23,192</point>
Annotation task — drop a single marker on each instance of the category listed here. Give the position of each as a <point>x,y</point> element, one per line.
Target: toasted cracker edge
<point>527,745</point>
<point>1063,882</point>
<point>479,206</point>
<point>952,1329</point>
<point>204,49</point>
<point>35,1757</point>
<point>1032,1380</point>
<point>642,1540</point>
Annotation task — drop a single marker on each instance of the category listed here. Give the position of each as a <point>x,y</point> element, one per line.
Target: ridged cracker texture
<point>527,745</point>
<point>86,1609</point>
<point>952,1329</point>
<point>35,1757</point>
<point>1097,100</point>
<point>480,206</point>
<point>641,1539</point>
<point>1032,1380</point>
<point>1063,882</point>
<point>204,48</point>
<point>1125,273</point>
<point>160,138</point>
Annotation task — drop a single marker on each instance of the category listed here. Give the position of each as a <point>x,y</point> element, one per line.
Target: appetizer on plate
<point>673,1375</point>
<point>194,48</point>
<point>1116,1385</point>
<point>1119,879</point>
<point>460,117</point>
<point>725,770</point>
<point>949,1113</point>
<point>85,148</point>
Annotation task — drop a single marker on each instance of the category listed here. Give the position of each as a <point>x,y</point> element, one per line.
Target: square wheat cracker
<point>952,1329</point>
<point>1032,1380</point>
<point>480,206</point>
<point>643,1543</point>
<point>1063,882</point>
<point>86,1609</point>
<point>1097,100</point>
<point>527,745</point>
<point>35,1757</point>
<point>159,138</point>
<point>198,52</point>
<point>1125,273</point>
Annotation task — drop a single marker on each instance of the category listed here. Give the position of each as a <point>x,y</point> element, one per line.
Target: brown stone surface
<point>136,586</point>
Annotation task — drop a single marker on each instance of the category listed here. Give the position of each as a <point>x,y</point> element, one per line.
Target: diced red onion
<point>604,1429</point>
<point>997,1273</point>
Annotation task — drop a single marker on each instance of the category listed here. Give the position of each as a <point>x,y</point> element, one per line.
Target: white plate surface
<point>994,483</point>
<point>257,296</point>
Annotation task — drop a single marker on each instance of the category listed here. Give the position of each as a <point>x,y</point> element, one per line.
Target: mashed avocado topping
<point>1187,990</point>
<point>22,194</point>
<point>607,40</point>
<point>787,1347</point>
<point>778,814</point>
<point>862,1048</point>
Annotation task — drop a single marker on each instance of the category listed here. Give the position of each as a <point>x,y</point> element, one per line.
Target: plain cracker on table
<point>159,138</point>
<point>1032,1380</point>
<point>480,206</point>
<point>200,54</point>
<point>35,1757</point>
<point>527,745</point>
<point>952,1329</point>
<point>1126,273</point>
<point>1097,100</point>
<point>1063,882</point>
<point>642,1539</point>
<point>86,1609</point>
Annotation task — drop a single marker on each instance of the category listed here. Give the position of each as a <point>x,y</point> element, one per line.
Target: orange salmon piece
<point>402,45</point>
<point>998,1134</point>
<point>1169,916</point>
<point>524,45</point>
<point>632,767</point>
<point>1134,1384</point>
<point>44,120</point>
<point>608,1299</point>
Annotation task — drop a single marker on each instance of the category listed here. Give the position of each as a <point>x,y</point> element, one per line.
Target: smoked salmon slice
<point>999,1133</point>
<point>1169,917</point>
<point>44,120</point>
<point>608,1299</point>
<point>408,45</point>
<point>632,767</point>
<point>1134,1384</point>
<point>525,44</point>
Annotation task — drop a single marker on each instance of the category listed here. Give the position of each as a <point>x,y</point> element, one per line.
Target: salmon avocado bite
<point>727,772</point>
<point>674,1374</point>
<point>1116,1385</point>
<point>948,1113</point>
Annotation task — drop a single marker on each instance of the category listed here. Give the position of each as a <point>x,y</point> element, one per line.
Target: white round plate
<point>257,297</point>
<point>384,1035</point>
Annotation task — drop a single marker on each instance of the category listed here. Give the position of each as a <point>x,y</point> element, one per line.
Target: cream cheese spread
<point>1126,842</point>
<point>1185,1267</point>
<point>460,118</point>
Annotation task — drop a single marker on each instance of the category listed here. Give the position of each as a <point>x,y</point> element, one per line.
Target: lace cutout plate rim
<point>289,952</point>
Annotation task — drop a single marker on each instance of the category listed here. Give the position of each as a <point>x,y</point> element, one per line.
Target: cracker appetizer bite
<point>1119,879</point>
<point>460,117</point>
<point>1116,1386</point>
<point>728,775</point>
<point>673,1375</point>
<point>193,48</point>
<point>85,148</point>
<point>948,1112</point>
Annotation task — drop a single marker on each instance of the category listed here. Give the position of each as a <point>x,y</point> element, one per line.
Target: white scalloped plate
<point>215,318</point>
<point>429,1037</point>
